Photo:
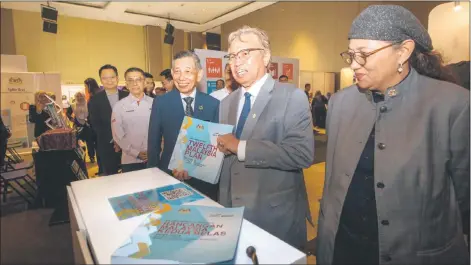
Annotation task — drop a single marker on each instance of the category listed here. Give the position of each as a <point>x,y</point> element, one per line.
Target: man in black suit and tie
<point>168,112</point>
<point>100,109</point>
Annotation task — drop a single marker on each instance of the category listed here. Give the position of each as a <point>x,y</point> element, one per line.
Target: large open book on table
<point>183,234</point>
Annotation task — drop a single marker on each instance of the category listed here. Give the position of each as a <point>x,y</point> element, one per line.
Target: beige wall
<point>449,30</point>
<point>80,46</point>
<point>314,32</point>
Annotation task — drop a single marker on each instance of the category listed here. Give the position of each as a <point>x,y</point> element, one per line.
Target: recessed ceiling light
<point>203,9</point>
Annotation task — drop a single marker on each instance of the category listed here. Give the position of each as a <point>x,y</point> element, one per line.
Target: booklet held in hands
<point>196,149</point>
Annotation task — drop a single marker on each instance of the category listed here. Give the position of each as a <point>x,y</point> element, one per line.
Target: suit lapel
<point>199,105</point>
<point>259,105</point>
<point>105,104</point>
<point>175,95</point>
<point>233,107</point>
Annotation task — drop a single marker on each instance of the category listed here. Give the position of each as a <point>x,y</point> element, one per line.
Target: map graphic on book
<point>138,203</point>
<point>196,149</point>
<point>183,234</point>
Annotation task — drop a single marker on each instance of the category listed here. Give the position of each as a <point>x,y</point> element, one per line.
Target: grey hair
<point>261,34</point>
<point>186,54</point>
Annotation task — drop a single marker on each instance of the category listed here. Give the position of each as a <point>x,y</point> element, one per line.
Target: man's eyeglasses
<point>134,81</point>
<point>360,57</point>
<point>243,55</point>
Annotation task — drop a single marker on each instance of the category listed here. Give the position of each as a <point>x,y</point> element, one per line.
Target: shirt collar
<point>133,98</point>
<point>255,88</point>
<point>111,93</point>
<point>193,94</point>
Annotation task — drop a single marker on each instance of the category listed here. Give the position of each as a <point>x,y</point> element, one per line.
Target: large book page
<point>183,234</point>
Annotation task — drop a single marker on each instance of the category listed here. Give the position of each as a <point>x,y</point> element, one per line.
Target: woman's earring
<point>400,69</point>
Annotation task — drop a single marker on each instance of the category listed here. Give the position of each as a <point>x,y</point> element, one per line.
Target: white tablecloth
<point>106,233</point>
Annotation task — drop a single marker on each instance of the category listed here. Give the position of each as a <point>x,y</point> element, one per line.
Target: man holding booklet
<point>168,112</point>
<point>272,143</point>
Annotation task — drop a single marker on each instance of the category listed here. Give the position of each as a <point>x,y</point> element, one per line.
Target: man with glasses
<point>100,109</point>
<point>168,112</point>
<point>130,122</point>
<point>271,144</point>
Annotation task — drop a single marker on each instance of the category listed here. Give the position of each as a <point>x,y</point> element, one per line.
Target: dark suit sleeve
<point>296,149</point>
<point>155,135</point>
<point>459,161</point>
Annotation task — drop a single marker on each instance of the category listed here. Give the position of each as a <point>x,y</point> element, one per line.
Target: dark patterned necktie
<point>188,108</point>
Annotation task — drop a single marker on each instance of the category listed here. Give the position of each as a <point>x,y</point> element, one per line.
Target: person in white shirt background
<point>130,122</point>
<point>230,85</point>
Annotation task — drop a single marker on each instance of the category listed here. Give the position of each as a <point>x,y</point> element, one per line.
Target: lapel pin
<point>392,92</point>
<point>200,107</point>
<point>254,115</point>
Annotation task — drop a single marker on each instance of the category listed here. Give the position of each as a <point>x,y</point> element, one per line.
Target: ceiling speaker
<point>213,41</point>
<point>48,13</point>
<point>49,27</point>
<point>168,39</point>
<point>169,29</point>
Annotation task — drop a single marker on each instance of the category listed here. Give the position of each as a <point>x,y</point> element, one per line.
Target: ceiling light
<point>203,9</point>
<point>458,6</point>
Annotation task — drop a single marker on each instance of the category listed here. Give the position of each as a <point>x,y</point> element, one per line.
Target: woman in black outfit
<point>92,86</point>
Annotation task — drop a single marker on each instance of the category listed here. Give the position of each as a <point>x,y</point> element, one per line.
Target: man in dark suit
<point>100,109</point>
<point>168,112</point>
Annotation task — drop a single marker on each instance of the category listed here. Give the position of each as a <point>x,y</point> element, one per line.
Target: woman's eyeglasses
<point>360,57</point>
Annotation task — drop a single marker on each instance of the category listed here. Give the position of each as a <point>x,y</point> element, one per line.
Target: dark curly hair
<point>430,63</point>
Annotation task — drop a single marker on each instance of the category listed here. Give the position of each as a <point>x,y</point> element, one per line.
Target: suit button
<point>383,109</point>
<point>380,185</point>
<point>386,258</point>
<point>381,146</point>
<point>385,222</point>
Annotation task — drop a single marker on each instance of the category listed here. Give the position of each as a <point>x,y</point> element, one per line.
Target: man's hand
<point>228,144</point>
<point>181,174</point>
<point>116,147</point>
<point>142,156</point>
<point>8,135</point>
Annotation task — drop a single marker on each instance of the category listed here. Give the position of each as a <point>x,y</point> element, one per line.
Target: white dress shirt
<point>254,91</point>
<point>193,95</point>
<point>220,94</point>
<point>130,126</point>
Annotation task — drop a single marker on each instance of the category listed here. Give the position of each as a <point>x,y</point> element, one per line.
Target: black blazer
<point>100,111</point>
